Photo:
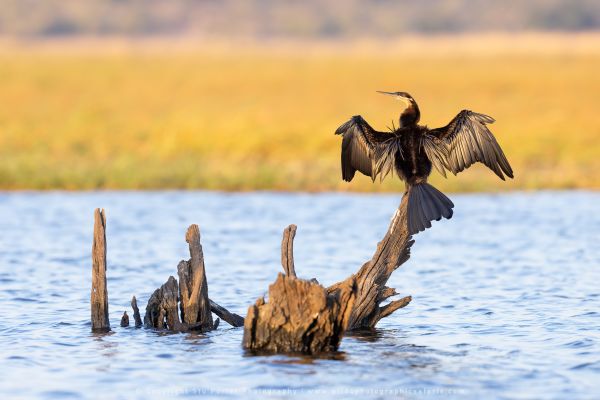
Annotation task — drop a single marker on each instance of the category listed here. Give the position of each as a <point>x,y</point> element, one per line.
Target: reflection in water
<point>106,348</point>
<point>367,335</point>
<point>294,358</point>
<point>505,296</point>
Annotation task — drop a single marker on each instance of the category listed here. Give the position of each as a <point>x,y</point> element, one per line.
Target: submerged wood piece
<point>136,312</point>
<point>161,311</point>
<point>99,295</point>
<point>125,320</point>
<point>229,317</point>
<point>299,317</point>
<point>195,304</point>
<point>372,277</point>
<point>287,251</point>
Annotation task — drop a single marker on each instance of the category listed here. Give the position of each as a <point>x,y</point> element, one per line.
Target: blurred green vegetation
<point>253,118</point>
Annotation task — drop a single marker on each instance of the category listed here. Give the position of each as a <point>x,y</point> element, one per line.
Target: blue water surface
<point>506,296</point>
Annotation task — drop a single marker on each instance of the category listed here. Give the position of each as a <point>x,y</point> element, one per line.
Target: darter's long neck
<point>411,115</point>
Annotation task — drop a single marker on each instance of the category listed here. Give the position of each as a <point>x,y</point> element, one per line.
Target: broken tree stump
<point>193,288</point>
<point>189,296</point>
<point>99,295</point>
<point>299,317</point>
<point>371,278</point>
<point>302,316</point>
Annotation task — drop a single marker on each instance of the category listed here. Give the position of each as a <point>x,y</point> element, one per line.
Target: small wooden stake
<point>99,295</point>
<point>136,312</point>
<point>125,320</point>
<point>287,251</point>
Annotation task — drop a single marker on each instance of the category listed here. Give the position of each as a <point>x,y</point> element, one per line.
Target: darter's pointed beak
<point>398,96</point>
<point>387,93</point>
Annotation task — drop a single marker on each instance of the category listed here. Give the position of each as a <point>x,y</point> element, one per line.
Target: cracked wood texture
<point>372,277</point>
<point>301,316</point>
<point>99,294</point>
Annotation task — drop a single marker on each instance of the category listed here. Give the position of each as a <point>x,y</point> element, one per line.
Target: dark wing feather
<point>468,140</point>
<point>358,147</point>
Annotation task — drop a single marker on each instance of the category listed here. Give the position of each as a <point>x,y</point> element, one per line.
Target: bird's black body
<point>411,150</point>
<point>413,166</point>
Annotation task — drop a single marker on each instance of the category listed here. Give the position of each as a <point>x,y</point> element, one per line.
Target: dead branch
<point>231,318</point>
<point>372,277</point>
<point>287,250</point>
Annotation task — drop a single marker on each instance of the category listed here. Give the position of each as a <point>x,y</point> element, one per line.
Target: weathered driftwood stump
<point>302,316</point>
<point>189,296</point>
<point>299,317</point>
<point>99,295</point>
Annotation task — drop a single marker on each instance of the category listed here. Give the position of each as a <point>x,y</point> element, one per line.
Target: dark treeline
<point>290,18</point>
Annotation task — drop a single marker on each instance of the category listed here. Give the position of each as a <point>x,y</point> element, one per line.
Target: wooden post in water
<point>99,295</point>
